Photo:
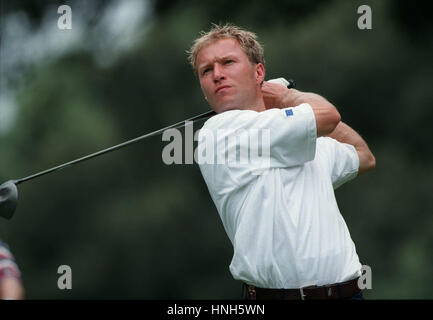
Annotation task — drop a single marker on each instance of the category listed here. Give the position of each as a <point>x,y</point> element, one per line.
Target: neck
<point>260,106</point>
<point>257,105</point>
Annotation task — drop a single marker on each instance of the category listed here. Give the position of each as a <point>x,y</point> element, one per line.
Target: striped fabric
<point>8,267</point>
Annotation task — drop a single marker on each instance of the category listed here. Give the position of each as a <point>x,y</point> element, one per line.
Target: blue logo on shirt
<point>289,112</point>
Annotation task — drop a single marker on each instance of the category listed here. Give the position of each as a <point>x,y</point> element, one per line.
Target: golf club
<point>9,191</point>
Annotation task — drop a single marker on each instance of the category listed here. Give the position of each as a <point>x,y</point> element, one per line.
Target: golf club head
<point>8,199</point>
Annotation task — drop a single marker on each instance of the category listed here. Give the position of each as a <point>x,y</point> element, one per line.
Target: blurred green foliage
<point>133,228</point>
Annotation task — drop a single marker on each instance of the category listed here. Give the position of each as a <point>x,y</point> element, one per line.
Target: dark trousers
<point>357,296</point>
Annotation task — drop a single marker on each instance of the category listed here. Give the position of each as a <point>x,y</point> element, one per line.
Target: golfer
<point>289,238</point>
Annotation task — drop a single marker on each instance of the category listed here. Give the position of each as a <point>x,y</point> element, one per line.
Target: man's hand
<point>274,95</point>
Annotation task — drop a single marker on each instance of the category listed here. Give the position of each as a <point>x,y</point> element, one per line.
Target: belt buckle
<point>301,290</point>
<point>302,293</point>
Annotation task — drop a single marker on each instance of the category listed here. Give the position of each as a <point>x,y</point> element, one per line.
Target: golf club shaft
<point>116,147</point>
<point>124,144</point>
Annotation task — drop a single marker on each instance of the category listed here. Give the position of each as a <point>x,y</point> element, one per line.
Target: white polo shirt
<point>284,222</point>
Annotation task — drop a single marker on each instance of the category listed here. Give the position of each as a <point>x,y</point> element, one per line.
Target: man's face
<point>228,79</point>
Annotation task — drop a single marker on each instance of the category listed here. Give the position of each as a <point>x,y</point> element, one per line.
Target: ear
<point>260,73</point>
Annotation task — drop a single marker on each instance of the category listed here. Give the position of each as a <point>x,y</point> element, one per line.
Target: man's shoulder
<point>238,118</point>
<point>227,118</point>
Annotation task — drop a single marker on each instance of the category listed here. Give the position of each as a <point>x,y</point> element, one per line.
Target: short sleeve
<point>290,135</point>
<point>293,135</point>
<point>342,160</point>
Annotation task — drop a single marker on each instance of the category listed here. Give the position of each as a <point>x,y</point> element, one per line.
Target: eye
<point>228,61</point>
<point>205,71</point>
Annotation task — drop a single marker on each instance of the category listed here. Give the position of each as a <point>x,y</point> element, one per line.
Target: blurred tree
<point>132,227</point>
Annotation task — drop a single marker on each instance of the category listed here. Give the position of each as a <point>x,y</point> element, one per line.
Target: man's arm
<point>327,119</point>
<point>344,133</point>
<point>278,96</point>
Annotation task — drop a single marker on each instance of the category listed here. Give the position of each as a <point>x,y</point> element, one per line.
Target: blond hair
<point>247,40</point>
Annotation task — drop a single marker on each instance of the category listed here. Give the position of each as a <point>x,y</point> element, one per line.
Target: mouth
<point>221,88</point>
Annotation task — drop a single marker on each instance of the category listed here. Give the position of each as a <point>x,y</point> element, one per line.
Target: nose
<point>218,73</point>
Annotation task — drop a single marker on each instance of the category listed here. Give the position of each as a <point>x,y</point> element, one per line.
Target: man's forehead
<point>219,49</point>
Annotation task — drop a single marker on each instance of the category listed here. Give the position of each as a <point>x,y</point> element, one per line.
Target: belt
<point>341,290</point>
